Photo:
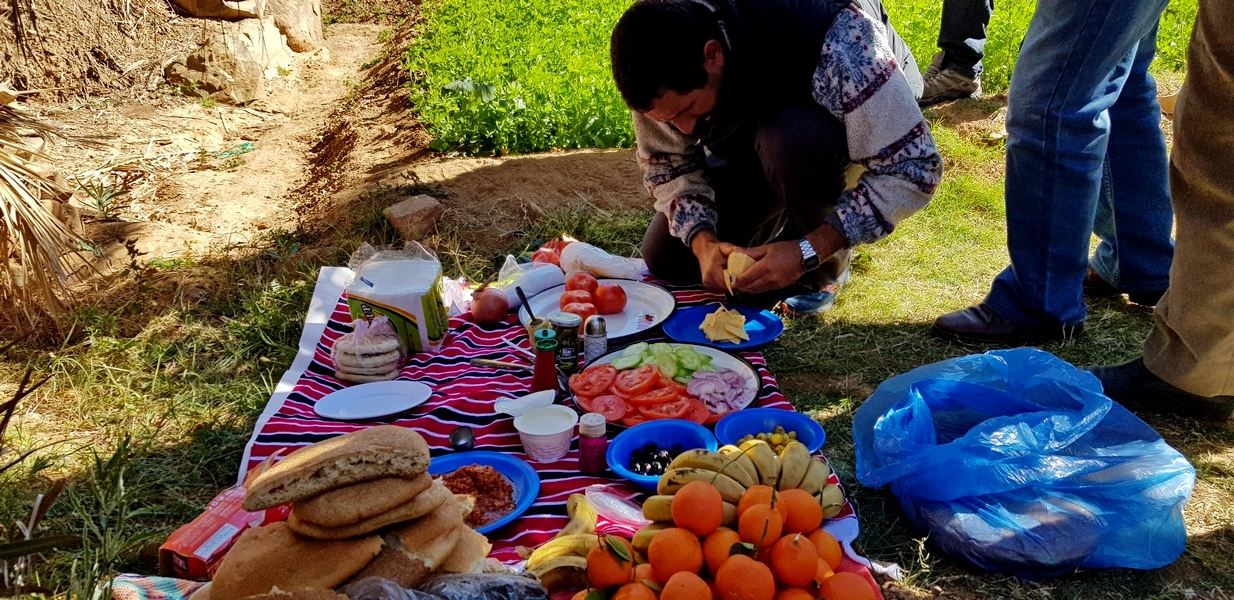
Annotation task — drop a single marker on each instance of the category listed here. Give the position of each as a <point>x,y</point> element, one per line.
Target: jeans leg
<point>1070,71</point>
<point>1134,218</point>
<point>962,35</point>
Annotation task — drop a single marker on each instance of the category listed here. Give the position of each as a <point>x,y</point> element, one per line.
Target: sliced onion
<point>721,390</point>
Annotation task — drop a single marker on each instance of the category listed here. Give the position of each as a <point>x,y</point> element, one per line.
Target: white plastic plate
<point>372,400</point>
<point>647,305</point>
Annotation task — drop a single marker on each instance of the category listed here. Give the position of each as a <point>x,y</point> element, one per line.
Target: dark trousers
<point>962,34</point>
<point>775,180</point>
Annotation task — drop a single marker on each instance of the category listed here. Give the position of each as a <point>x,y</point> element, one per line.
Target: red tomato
<point>672,385</point>
<point>637,381</point>
<point>556,245</point>
<point>582,309</point>
<point>594,381</point>
<point>573,296</point>
<point>545,255</point>
<point>631,410</point>
<point>610,298</point>
<point>582,281</point>
<point>677,409</point>
<point>699,413</point>
<point>612,407</point>
<point>655,396</point>
<point>634,420</point>
<point>583,402</point>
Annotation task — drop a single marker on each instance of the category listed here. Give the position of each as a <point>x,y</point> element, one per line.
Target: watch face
<point>811,263</point>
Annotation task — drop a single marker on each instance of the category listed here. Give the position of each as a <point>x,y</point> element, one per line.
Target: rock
<point>221,9</point>
<point>414,217</point>
<point>31,145</point>
<point>267,45</point>
<point>222,68</point>
<point>299,20</point>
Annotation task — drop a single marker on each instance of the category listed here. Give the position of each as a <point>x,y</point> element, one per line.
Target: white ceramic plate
<point>372,400</point>
<point>647,305</point>
<point>720,360</point>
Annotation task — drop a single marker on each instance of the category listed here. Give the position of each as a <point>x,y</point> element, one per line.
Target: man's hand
<point>712,256</point>
<point>778,266</point>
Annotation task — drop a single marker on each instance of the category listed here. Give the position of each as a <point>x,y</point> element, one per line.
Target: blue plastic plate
<point>522,478</point>
<point>737,424</point>
<point>762,326</point>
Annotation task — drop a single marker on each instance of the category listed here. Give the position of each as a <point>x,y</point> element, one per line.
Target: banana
<point>831,499</point>
<point>743,461</point>
<point>700,458</point>
<point>642,537</point>
<point>575,544</point>
<point>730,514</point>
<point>815,477</point>
<point>794,460</point>
<point>658,508</point>
<point>582,516</point>
<point>675,479</point>
<point>765,460</point>
<point>561,573</point>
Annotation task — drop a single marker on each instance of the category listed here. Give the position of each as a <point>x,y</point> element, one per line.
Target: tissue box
<point>194,550</point>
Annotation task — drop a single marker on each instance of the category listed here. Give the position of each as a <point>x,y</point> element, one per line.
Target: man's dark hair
<point>658,45</point>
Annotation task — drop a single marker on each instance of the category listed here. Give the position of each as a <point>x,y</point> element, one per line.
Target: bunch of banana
<point>563,572</point>
<point>567,550</point>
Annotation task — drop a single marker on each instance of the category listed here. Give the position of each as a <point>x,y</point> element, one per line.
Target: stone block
<point>415,216</point>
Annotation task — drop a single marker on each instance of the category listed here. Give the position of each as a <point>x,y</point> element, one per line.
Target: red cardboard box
<point>194,550</point>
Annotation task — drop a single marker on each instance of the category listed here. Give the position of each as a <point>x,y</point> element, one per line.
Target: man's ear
<point>713,56</point>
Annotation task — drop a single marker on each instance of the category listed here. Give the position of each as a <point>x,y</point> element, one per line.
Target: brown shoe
<point>1140,391</point>
<point>1097,287</point>
<point>981,325</point>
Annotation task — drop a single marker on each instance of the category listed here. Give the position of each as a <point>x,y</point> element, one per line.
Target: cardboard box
<point>194,550</point>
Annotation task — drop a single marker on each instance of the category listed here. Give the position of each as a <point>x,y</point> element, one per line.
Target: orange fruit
<point>685,586</point>
<point>849,586</point>
<point>698,507</point>
<point>760,494</point>
<point>828,548</point>
<point>804,513</point>
<point>793,560</point>
<point>743,578</point>
<point>716,548</point>
<point>605,568</point>
<point>795,594</point>
<point>822,571</point>
<point>644,572</point>
<point>760,525</point>
<point>635,591</point>
<point>674,550</point>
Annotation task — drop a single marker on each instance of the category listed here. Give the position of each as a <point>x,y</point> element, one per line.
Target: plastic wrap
<point>380,588</point>
<point>580,257</point>
<point>376,335</point>
<point>405,286</point>
<point>489,586</point>
<point>1015,461</point>
<point>533,277</point>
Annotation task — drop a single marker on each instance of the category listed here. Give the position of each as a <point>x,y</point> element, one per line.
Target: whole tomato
<point>575,296</point>
<point>610,298</point>
<point>582,281</point>
<point>544,255</point>
<point>582,309</point>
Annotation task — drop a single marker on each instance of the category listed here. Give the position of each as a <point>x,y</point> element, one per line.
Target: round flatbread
<point>264,558</point>
<point>345,376</point>
<point>423,504</point>
<point>371,345</point>
<point>365,360</point>
<point>360,501</point>
<point>368,370</point>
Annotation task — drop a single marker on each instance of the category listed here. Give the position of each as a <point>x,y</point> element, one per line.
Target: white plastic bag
<point>405,286</point>
<point>585,258</point>
<point>532,277</point>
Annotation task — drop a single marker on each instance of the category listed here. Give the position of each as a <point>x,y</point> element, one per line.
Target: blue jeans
<point>962,37</point>
<point>1085,154</point>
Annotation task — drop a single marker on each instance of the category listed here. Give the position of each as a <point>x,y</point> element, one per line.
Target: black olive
<point>676,449</point>
<point>637,468</point>
<point>650,447</point>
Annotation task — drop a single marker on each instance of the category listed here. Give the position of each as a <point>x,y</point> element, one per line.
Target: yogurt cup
<point>546,432</point>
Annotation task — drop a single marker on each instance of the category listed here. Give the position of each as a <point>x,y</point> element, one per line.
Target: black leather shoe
<point>1097,287</point>
<point>981,325</point>
<point>1139,390</point>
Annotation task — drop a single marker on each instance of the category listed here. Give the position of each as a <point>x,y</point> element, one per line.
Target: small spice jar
<point>544,375</point>
<point>592,444</point>
<point>595,338</point>
<point>568,344</point>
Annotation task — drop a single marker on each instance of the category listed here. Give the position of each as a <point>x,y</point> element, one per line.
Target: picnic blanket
<point>462,395</point>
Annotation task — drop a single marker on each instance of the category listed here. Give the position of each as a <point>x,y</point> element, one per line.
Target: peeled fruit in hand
<point>489,306</point>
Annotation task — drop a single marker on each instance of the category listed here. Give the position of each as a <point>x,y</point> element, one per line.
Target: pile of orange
<point>777,552</point>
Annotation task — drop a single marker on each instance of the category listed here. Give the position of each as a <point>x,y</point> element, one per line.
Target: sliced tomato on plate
<point>655,396</point>
<point>583,402</point>
<point>699,413</point>
<point>612,407</point>
<point>634,420</point>
<point>593,381</point>
<point>637,381</point>
<point>675,409</point>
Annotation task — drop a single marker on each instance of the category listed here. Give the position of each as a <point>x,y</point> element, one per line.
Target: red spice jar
<point>592,444</point>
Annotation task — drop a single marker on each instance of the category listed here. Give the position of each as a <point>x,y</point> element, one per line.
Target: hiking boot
<point>980,324</point>
<point>1132,385</point>
<point>947,84</point>
<point>1097,287</point>
<point>815,303</point>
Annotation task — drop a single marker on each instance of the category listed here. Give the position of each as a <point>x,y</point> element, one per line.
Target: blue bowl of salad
<point>630,452</point>
<point>733,428</point>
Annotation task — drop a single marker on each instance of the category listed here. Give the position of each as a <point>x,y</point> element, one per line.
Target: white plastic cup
<point>546,432</point>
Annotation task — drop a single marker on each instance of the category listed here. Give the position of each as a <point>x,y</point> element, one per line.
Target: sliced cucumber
<point>623,362</point>
<point>635,349</point>
<point>661,348</point>
<point>682,379</point>
<point>668,365</point>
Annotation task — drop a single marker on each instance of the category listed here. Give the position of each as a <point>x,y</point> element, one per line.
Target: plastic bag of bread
<point>490,586</point>
<point>405,286</point>
<point>533,277</point>
<point>580,257</point>
<point>371,351</point>
<point>380,588</point>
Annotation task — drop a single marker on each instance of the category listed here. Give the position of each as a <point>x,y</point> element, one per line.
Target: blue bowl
<point>739,424</point>
<point>663,433</point>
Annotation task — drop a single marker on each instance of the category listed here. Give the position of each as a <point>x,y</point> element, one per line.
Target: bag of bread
<point>405,287</point>
<point>371,351</point>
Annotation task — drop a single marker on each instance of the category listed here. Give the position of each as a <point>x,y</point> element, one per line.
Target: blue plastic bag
<point>1016,462</point>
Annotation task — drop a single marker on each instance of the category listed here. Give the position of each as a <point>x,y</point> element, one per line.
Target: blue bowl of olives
<point>642,453</point>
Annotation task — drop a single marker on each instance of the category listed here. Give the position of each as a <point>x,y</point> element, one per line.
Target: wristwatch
<point>809,259</point>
